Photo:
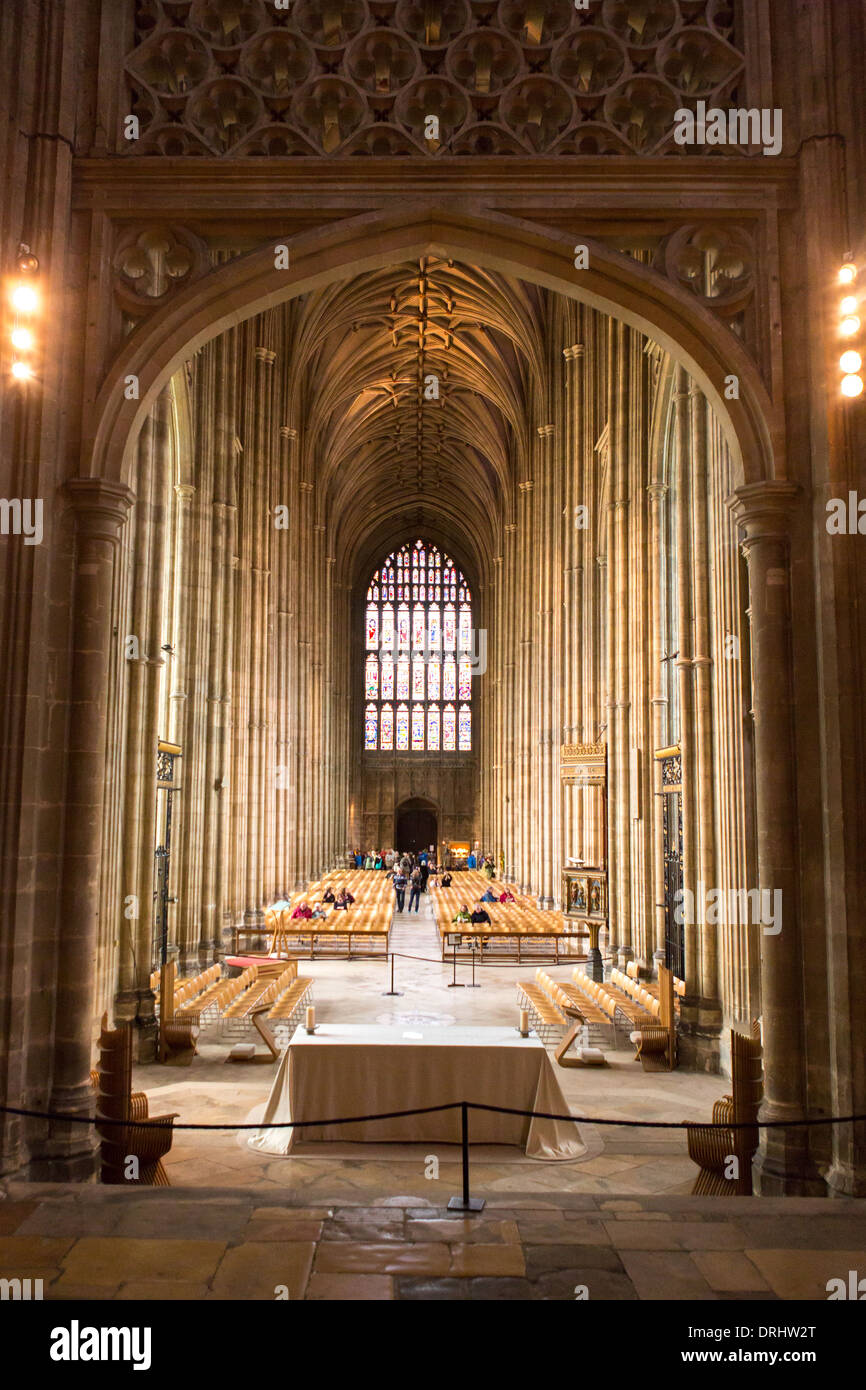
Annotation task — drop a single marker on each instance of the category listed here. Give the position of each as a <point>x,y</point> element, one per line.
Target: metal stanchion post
<point>455,983</point>
<point>392,990</point>
<point>465,1202</point>
<point>473,946</point>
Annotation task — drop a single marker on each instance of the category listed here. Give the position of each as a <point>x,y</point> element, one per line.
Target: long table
<point>361,1069</point>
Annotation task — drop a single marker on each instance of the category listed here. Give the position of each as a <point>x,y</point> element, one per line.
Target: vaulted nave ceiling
<point>416,387</point>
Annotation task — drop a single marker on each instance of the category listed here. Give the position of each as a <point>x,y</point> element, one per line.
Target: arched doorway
<point>415,825</point>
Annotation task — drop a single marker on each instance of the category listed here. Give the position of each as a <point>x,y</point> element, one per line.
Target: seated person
<point>463,915</point>
<point>488,897</point>
<point>446,879</point>
<point>506,897</point>
<point>328,895</point>
<point>302,910</point>
<point>318,912</point>
<point>480,914</point>
<point>343,899</point>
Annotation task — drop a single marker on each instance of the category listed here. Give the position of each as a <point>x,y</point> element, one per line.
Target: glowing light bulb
<point>848,305</point>
<point>850,361</point>
<point>22,339</point>
<point>25,298</point>
<point>848,327</point>
<point>852,386</point>
<point>848,274</point>
<point>21,371</point>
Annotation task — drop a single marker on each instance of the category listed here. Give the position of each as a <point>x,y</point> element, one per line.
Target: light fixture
<point>849,326</point>
<point>25,299</point>
<point>848,273</point>
<point>850,361</point>
<point>22,339</point>
<point>852,386</point>
<point>22,371</point>
<point>848,305</point>
<point>27,263</point>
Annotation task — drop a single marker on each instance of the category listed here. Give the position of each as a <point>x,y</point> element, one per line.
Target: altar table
<point>361,1069</point>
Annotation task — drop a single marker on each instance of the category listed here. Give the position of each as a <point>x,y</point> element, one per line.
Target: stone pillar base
<point>71,1151</point>
<point>623,955</point>
<point>782,1166</point>
<point>699,1035</point>
<point>844,1180</point>
<point>595,966</point>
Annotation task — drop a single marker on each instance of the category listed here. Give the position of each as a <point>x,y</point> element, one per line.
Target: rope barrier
<point>451,1105</point>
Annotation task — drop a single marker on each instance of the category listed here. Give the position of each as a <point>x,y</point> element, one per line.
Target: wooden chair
<point>116,1100</point>
<point>177,1031</point>
<point>710,1148</point>
<point>655,1040</point>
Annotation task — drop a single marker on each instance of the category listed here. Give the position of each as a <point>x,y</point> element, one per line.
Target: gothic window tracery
<point>418,642</point>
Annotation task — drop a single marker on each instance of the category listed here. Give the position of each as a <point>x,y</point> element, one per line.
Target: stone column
<point>101,507</point>
<point>657,493</point>
<point>764,511</point>
<point>546,534</point>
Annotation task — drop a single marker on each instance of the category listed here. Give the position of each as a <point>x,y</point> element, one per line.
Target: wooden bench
<point>655,1039</point>
<point>713,1148</point>
<point>178,1031</point>
<point>116,1100</point>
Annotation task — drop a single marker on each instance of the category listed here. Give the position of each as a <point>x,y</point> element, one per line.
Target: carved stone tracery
<point>329,77</point>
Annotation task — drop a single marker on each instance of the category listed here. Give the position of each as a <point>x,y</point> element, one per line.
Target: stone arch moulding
<point>614,284</point>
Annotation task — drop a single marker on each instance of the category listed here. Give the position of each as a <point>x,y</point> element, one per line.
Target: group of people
<point>339,902</point>
<point>387,859</point>
<point>479,912</point>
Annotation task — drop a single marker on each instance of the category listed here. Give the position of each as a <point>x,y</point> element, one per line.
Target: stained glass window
<point>418,640</point>
<point>417,727</point>
<point>387,726</point>
<point>448,729</point>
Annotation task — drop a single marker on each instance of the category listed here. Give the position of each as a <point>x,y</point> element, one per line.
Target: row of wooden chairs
<point>261,993</point>
<point>220,995</point>
<point>632,969</point>
<point>646,1000</point>
<point>546,1018</point>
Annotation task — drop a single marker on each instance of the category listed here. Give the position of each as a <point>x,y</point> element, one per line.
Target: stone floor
<point>98,1243</point>
<point>623,1162</point>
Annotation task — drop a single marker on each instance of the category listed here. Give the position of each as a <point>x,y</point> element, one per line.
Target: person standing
<point>415,889</point>
<point>424,870</point>
<point>400,889</point>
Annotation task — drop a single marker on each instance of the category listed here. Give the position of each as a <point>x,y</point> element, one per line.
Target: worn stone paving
<point>99,1243</point>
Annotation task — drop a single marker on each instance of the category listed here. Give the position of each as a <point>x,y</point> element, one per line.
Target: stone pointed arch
<point>613,283</point>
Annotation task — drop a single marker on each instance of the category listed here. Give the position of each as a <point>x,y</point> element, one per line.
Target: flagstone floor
<point>101,1243</point>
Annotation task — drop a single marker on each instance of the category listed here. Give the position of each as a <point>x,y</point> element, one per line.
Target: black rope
<point>434,1109</point>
